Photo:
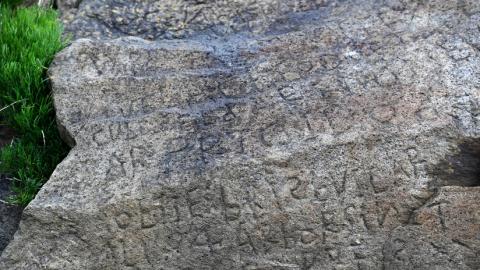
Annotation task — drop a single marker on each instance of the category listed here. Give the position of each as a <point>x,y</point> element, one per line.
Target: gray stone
<point>343,135</point>
<point>67,5</point>
<point>153,19</point>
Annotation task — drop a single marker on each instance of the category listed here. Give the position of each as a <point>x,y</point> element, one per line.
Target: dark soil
<point>9,214</point>
<point>6,135</point>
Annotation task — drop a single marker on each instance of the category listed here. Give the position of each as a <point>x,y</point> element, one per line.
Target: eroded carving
<point>284,135</point>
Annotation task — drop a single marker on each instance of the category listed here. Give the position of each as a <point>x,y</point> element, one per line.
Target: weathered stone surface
<point>153,19</point>
<point>343,136</point>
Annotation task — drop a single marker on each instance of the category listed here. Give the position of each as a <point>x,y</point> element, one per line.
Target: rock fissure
<point>462,168</point>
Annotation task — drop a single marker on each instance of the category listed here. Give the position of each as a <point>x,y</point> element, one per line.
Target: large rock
<point>329,135</point>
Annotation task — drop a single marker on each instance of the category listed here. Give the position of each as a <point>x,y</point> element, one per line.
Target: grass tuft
<point>29,39</point>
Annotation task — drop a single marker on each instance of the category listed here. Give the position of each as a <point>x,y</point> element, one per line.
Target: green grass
<point>29,38</point>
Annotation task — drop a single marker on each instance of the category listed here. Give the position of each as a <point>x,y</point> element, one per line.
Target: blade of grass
<point>29,39</point>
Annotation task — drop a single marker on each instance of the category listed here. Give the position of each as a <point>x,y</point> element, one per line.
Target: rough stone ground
<point>263,134</point>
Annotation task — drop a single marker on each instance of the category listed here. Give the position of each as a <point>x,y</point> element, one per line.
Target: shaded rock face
<point>332,135</point>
